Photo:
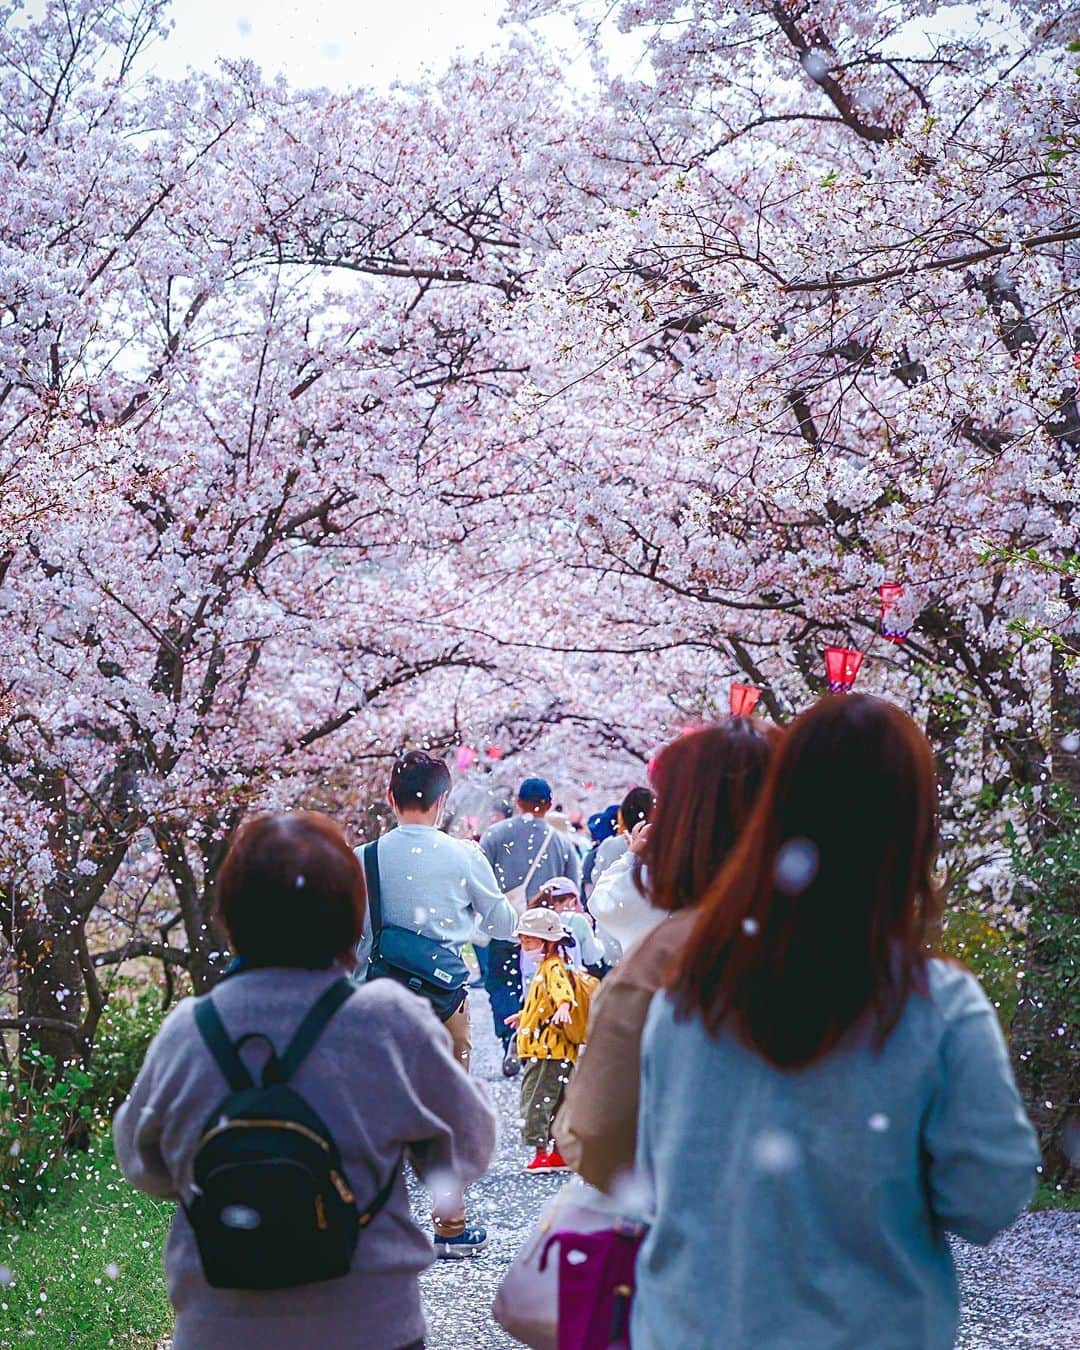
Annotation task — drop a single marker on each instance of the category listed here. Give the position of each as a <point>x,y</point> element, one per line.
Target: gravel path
<point>1021,1293</point>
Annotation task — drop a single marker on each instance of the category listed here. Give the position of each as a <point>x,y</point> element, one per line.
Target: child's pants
<point>543,1082</point>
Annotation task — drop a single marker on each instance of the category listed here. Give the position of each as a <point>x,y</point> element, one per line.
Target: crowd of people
<point>727,1010</point>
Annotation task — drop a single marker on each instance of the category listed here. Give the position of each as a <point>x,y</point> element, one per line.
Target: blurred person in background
<point>707,783</point>
<point>602,825</point>
<point>525,853</point>
<point>635,809</point>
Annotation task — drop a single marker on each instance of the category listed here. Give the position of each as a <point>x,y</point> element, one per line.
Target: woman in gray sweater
<point>381,1076</point>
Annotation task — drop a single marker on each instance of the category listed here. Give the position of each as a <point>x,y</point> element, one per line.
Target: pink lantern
<point>841,666</point>
<point>466,758</point>
<point>743,699</point>
<point>891,595</point>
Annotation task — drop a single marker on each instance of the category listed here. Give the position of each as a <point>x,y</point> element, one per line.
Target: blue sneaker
<point>469,1243</point>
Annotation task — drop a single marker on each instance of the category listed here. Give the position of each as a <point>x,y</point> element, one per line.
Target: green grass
<point>1055,1197</point>
<point>86,1270</point>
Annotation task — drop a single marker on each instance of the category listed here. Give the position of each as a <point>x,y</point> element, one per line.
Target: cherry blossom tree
<point>290,311</point>
<point>521,413</point>
<point>834,345</point>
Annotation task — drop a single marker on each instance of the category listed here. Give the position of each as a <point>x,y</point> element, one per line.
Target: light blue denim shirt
<point>807,1210</point>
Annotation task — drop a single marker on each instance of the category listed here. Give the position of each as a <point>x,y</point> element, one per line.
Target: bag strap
<point>212,1030</point>
<point>311,1028</point>
<point>539,858</point>
<point>374,889</point>
<point>380,1201</point>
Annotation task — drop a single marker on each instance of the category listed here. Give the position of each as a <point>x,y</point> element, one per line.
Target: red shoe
<point>546,1162</point>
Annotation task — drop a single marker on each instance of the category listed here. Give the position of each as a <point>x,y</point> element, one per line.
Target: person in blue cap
<point>602,825</point>
<point>525,852</point>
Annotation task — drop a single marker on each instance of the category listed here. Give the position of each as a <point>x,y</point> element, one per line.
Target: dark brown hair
<point>291,892</point>
<point>823,916</point>
<point>707,782</point>
<point>418,780</point>
<point>638,805</point>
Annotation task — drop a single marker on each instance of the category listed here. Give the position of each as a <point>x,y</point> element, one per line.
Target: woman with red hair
<point>707,781</point>
<point>822,1099</point>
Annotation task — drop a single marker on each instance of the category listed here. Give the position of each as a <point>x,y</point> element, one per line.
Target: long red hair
<point>707,782</point>
<point>824,915</point>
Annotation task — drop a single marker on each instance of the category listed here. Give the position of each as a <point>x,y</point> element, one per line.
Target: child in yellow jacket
<point>550,1029</point>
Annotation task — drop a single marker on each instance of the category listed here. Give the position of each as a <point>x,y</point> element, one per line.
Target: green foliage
<point>87,1271</point>
<point>1051,872</point>
<point>42,1113</point>
<point>128,1025</point>
<point>39,1114</point>
<point>990,954</point>
<point>1046,1032</point>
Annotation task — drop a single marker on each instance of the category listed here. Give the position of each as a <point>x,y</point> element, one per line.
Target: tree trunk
<point>46,940</point>
<point>207,941</point>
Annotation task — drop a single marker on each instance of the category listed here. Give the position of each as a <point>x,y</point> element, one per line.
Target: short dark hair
<point>637,805</point>
<point>291,892</point>
<point>418,780</point>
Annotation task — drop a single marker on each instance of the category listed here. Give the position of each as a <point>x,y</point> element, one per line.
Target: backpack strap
<point>311,1028</point>
<point>212,1030</point>
<point>380,1201</point>
<point>374,890</point>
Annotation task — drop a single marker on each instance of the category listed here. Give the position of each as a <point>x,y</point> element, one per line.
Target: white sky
<point>342,43</point>
<point>329,42</point>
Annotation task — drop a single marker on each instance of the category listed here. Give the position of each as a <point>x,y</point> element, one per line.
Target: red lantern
<point>841,666</point>
<point>494,752</point>
<point>743,699</point>
<point>891,595</point>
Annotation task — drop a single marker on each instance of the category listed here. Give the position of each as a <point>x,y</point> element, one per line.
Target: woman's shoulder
<point>647,962</point>
<point>178,1025</point>
<point>664,1026</point>
<point>375,1006</point>
<point>392,1007</point>
<point>954,991</point>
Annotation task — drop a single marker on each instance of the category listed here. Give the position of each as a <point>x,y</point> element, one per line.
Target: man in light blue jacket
<point>444,889</point>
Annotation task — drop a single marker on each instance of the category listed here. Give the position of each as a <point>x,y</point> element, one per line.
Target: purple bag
<point>596,1285</point>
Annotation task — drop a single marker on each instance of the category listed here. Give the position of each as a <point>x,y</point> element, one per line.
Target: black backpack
<point>271,1207</point>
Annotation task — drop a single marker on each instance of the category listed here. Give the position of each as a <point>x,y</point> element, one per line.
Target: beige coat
<point>596,1128</point>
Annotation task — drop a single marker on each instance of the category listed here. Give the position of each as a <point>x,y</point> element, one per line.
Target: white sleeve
<point>616,898</point>
<point>592,952</point>
<point>494,914</point>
